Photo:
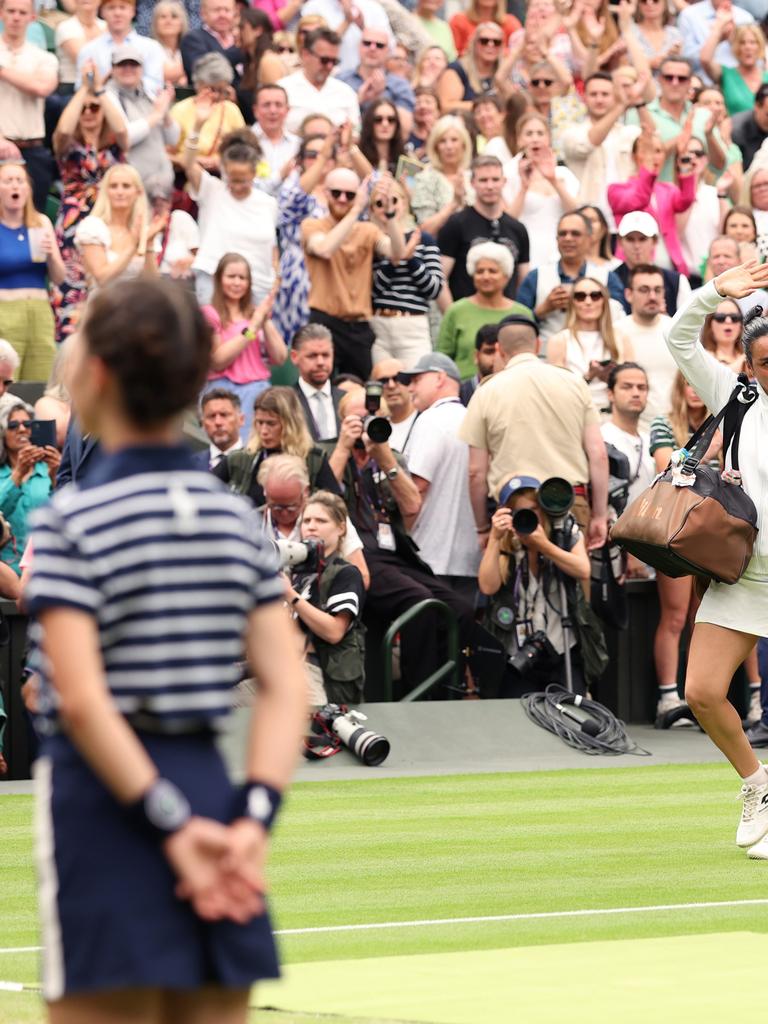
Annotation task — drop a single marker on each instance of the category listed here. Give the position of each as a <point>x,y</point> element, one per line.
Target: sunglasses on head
<point>385,119</point>
<point>327,62</point>
<point>19,425</point>
<point>727,318</point>
<point>583,296</point>
<point>337,193</point>
<point>676,78</point>
<point>485,41</point>
<point>536,82</point>
<point>373,42</point>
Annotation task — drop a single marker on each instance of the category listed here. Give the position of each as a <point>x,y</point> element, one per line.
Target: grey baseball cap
<point>126,52</point>
<point>432,362</point>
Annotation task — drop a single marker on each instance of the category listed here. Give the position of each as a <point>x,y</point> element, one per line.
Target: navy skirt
<point>110,917</point>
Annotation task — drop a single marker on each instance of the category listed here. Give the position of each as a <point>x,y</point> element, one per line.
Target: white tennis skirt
<point>742,606</point>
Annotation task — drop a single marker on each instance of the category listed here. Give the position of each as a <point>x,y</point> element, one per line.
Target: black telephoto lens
<point>378,429</point>
<point>525,521</point>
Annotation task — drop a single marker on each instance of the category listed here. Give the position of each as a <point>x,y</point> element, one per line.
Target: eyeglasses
<point>583,296</point>
<point>327,62</point>
<point>645,289</point>
<point>718,318</point>
<point>536,82</point>
<point>384,119</point>
<point>274,507</point>
<point>92,108</point>
<point>569,233</point>
<point>337,193</point>
<point>373,42</point>
<point>485,41</point>
<point>394,379</point>
<point>19,424</point>
<point>676,78</point>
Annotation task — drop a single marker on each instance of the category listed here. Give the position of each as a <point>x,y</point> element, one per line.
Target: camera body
<point>300,555</point>
<point>368,746</point>
<point>536,652</point>
<point>378,428</point>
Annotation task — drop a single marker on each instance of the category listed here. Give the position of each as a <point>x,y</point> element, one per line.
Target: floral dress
<point>82,168</point>
<point>292,302</point>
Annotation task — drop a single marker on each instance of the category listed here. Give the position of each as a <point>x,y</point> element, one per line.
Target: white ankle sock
<point>758,778</point>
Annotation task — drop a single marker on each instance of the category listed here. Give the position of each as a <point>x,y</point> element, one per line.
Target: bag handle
<point>731,415</point>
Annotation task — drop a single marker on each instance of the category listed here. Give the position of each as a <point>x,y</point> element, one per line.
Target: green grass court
<point>439,849</point>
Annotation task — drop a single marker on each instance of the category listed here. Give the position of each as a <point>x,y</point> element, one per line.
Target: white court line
<point>491,919</point>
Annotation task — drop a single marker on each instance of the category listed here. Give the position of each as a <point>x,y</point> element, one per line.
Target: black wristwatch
<point>163,809</point>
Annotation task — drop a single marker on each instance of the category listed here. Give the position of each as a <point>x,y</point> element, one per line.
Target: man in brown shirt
<point>339,250</point>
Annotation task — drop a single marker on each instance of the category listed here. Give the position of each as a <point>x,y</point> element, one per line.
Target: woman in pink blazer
<point>659,198</point>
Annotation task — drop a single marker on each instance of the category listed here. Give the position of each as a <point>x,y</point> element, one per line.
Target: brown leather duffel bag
<point>692,521</point>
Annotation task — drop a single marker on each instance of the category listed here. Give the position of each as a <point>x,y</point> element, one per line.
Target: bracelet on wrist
<point>248,333</point>
<point>258,801</point>
<point>161,810</point>
<point>295,600</point>
<point>483,529</point>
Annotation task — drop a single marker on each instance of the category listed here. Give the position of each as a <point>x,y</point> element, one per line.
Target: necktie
<point>321,415</point>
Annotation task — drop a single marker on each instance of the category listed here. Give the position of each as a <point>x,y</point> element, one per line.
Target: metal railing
<point>449,670</point>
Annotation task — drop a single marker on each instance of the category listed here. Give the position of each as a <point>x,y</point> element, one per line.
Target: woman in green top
<point>739,84</point>
<point>491,265</point>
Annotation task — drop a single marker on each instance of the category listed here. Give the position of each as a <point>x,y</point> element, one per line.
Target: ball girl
<point>145,585</point>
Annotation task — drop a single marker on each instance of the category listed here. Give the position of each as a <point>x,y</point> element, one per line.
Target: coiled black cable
<point>610,736</point>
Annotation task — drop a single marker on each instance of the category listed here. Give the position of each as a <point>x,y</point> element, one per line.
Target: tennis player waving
<point>731,617</point>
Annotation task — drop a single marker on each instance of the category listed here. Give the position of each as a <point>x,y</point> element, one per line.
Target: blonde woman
<point>29,259</point>
<point>430,64</point>
<point>475,73</point>
<point>465,24</point>
<point>443,188</point>
<point>588,345</point>
<point>278,427</point>
<point>738,84</point>
<point>169,24</point>
<point>114,239</point>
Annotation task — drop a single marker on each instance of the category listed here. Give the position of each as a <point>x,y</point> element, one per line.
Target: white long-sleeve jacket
<point>714,383</point>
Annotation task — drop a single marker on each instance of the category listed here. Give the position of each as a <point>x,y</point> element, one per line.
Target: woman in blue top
<point>27,478</point>
<point>146,584</point>
<point>29,257</point>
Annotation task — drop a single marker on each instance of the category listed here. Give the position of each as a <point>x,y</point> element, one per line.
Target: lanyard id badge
<point>385,536</point>
<point>523,630</point>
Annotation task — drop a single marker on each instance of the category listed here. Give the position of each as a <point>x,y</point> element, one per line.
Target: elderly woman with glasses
<point>212,77</point>
<point>588,345</point>
<point>27,477</point>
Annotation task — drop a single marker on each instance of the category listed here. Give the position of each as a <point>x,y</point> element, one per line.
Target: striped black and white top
<point>170,565</point>
<point>409,286</point>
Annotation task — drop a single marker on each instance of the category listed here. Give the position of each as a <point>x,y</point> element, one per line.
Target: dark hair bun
<point>151,335</point>
<point>756,326</point>
<point>240,146</point>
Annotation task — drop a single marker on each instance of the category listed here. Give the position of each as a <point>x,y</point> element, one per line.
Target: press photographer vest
<point>343,662</point>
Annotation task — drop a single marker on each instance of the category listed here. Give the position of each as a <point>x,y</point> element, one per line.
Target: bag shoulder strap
<point>742,397</point>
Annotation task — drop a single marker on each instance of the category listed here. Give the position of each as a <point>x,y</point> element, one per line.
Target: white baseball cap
<point>638,221</point>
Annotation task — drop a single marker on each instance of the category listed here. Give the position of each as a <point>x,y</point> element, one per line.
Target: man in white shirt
<point>278,146</point>
<point>402,414</point>
<point>313,90</point>
<point>628,394</point>
<point>27,75</point>
<point>645,329</point>
<point>439,465</point>
<point>349,18</point>
<point>312,355</point>
<point>599,150</point>
<point>222,420</point>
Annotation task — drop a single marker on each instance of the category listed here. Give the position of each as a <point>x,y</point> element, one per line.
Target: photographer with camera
<point>327,600</point>
<point>519,571</point>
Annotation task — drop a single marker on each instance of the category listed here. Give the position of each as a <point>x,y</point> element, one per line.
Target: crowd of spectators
<point>491,213</point>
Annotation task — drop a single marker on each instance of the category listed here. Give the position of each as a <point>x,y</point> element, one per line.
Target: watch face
<point>259,804</point>
<point>166,806</point>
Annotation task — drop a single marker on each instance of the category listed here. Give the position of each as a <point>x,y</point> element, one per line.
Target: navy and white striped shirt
<point>168,563</point>
<point>411,285</point>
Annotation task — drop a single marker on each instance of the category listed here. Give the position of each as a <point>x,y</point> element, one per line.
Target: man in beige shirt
<point>536,419</point>
<point>339,251</point>
<point>27,75</point>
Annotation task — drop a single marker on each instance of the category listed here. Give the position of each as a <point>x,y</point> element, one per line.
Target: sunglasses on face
<point>718,318</point>
<point>583,296</point>
<point>286,49</point>
<point>536,82</point>
<point>337,193</point>
<point>484,41</point>
<point>384,119</point>
<point>676,78</point>
<point>388,380</point>
<point>19,424</point>
<point>327,62</point>
<point>372,42</point>
<point>696,154</point>
<point>92,108</point>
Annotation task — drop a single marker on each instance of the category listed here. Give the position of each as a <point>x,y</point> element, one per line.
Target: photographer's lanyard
<point>385,536</point>
<point>522,586</point>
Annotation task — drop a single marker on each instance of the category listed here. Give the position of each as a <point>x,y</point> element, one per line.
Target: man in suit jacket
<point>221,418</point>
<point>312,355</point>
<point>217,35</point>
<point>80,454</point>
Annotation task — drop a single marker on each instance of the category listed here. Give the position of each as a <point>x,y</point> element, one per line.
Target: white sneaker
<point>754,815</point>
<point>760,850</point>
<point>755,712</point>
<point>670,702</point>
